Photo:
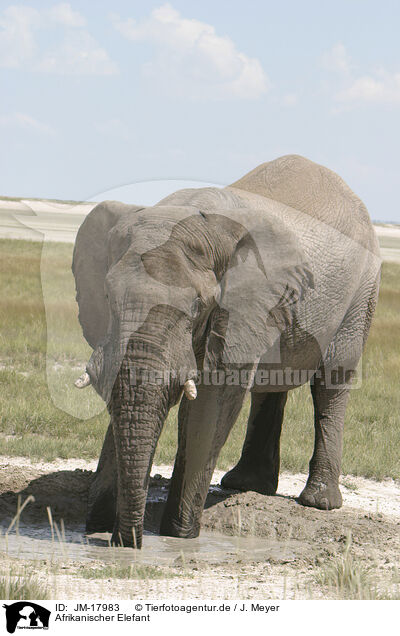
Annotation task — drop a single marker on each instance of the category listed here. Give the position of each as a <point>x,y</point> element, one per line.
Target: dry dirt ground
<point>251,546</point>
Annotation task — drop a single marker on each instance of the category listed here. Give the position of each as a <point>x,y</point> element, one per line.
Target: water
<point>36,542</point>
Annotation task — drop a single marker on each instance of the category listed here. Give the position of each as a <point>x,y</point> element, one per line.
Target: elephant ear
<point>90,265</point>
<point>267,277</point>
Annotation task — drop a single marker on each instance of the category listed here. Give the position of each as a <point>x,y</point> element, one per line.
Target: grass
<point>124,571</point>
<point>350,484</point>
<point>39,404</point>
<point>20,584</point>
<point>41,411</point>
<point>19,581</point>
<point>346,578</point>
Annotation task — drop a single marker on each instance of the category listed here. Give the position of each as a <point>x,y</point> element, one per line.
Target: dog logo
<point>26,615</point>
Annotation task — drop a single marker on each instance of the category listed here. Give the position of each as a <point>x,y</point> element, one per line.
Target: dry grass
<point>346,578</point>
<point>19,583</point>
<point>124,571</point>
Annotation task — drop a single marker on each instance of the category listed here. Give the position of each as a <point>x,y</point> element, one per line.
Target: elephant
<point>210,296</point>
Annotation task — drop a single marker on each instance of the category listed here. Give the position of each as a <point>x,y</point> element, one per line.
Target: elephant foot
<point>101,512</point>
<point>126,540</point>
<point>240,478</point>
<point>321,495</point>
<point>172,528</point>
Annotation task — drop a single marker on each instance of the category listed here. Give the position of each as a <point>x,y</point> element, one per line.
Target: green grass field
<point>39,403</point>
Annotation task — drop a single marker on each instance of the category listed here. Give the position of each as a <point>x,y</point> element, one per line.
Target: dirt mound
<point>65,492</point>
<point>283,519</point>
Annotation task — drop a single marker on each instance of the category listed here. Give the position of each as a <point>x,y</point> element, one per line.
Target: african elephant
<point>205,297</point>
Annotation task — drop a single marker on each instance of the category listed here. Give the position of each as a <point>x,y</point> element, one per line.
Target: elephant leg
<point>204,425</point>
<point>330,401</point>
<point>258,467</point>
<point>322,488</point>
<point>103,490</point>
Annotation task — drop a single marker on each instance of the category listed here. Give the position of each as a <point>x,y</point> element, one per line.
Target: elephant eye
<point>196,307</point>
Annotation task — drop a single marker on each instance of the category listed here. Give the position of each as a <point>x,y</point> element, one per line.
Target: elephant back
<point>315,190</point>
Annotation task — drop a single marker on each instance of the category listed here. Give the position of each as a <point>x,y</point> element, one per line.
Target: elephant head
<point>164,292</point>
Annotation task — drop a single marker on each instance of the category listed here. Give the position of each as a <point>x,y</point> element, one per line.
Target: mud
<point>274,529</point>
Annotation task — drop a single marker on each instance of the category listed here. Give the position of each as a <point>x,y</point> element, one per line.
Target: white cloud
<point>64,14</point>
<point>337,59</point>
<point>381,87</point>
<point>192,59</point>
<point>377,86</point>
<point>26,122</point>
<point>77,52</point>
<point>17,42</point>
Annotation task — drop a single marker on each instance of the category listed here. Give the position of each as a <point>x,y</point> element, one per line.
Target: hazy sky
<point>95,95</point>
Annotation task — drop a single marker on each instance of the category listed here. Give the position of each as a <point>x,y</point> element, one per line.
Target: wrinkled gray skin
<point>279,270</point>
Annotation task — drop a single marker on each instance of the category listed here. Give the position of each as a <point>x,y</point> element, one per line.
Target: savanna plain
<point>269,547</point>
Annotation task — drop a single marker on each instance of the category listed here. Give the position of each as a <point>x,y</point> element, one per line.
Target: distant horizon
<point>88,201</point>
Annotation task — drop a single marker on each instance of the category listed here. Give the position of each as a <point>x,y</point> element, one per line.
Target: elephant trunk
<point>138,412</point>
<point>140,373</point>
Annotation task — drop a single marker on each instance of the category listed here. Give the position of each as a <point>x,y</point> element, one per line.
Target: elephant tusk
<point>83,381</point>
<point>189,389</point>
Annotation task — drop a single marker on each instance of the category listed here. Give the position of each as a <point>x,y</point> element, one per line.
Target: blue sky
<point>95,95</point>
